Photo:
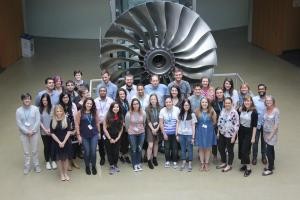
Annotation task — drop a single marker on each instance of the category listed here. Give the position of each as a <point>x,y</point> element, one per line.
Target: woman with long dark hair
<point>135,121</point>
<point>175,95</point>
<point>87,131</point>
<point>229,91</point>
<point>113,129</point>
<point>185,133</point>
<point>153,131</point>
<point>70,110</point>
<point>121,99</point>
<point>45,109</point>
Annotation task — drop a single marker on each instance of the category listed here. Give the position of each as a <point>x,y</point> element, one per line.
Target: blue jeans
<point>259,134</point>
<point>136,145</point>
<point>90,149</point>
<point>186,144</point>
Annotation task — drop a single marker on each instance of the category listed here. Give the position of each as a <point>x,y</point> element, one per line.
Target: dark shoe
<point>227,169</point>
<point>150,165</point>
<point>122,159</point>
<point>243,168</point>
<point>247,172</point>
<point>267,173</point>
<point>102,161</point>
<point>88,170</point>
<point>94,170</point>
<point>221,166</point>
<point>127,159</point>
<point>264,161</point>
<point>145,159</point>
<point>155,161</point>
<point>254,161</point>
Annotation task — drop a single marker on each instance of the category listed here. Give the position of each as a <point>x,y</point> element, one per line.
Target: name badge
<point>155,123</point>
<point>90,127</point>
<point>27,124</point>
<point>204,126</point>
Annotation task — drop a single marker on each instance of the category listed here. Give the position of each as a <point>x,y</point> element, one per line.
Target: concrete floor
<point>62,56</point>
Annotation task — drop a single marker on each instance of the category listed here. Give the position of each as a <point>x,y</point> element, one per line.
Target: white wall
<point>224,14</point>
<point>67,18</point>
<point>82,18</point>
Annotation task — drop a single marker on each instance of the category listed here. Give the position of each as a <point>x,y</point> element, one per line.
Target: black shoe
<point>150,165</point>
<point>122,159</point>
<point>254,161</point>
<point>102,161</point>
<point>145,159</point>
<point>264,161</point>
<point>94,170</point>
<point>88,170</point>
<point>155,161</point>
<point>247,172</point>
<point>127,159</point>
<point>243,168</point>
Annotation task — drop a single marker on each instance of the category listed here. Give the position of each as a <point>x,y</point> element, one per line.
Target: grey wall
<point>82,18</point>
<point>224,14</point>
<point>67,18</point>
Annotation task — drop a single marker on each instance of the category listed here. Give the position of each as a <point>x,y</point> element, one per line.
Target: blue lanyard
<point>89,118</point>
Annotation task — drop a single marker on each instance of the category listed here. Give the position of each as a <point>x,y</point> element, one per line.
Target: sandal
<point>206,168</point>
<point>227,169</point>
<point>202,166</point>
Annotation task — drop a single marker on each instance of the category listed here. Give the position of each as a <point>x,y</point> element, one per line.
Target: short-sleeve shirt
<point>185,127</point>
<point>170,119</point>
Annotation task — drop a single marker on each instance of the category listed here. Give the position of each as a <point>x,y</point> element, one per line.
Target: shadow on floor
<point>292,56</point>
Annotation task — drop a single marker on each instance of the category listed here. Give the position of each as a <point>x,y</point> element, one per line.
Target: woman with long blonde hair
<point>60,130</point>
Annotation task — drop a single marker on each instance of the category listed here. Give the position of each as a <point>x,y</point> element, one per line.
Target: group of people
<point>131,118</point>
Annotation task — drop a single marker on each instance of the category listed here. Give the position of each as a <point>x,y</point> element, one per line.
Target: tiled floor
<point>59,56</point>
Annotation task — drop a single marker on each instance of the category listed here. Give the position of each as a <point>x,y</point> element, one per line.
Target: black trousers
<point>112,151</point>
<point>171,149</point>
<point>225,143</point>
<point>48,153</point>
<point>214,148</point>
<point>245,135</point>
<point>101,145</point>
<point>270,152</point>
<point>124,142</point>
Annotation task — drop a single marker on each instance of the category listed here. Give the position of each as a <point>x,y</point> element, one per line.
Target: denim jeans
<point>259,134</point>
<point>136,145</point>
<point>171,149</point>
<point>90,149</point>
<point>186,144</point>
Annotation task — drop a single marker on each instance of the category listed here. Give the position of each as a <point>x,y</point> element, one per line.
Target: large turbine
<point>154,38</point>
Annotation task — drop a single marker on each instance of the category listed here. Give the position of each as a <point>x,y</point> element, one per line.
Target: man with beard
<point>259,102</point>
<point>111,88</point>
<point>183,85</point>
<point>130,88</point>
<point>54,95</point>
<point>155,87</point>
<point>102,105</point>
<point>142,97</point>
<point>70,86</point>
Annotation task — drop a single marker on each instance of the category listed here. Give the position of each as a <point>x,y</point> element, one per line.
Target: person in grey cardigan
<point>28,122</point>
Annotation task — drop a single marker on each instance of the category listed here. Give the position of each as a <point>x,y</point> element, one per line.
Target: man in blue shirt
<point>110,87</point>
<point>155,87</point>
<point>259,102</point>
<point>54,95</point>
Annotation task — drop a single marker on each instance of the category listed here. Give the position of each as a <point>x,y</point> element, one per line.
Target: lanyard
<point>170,115</point>
<point>154,112</point>
<point>102,106</point>
<point>89,118</point>
<point>26,114</point>
<point>220,107</point>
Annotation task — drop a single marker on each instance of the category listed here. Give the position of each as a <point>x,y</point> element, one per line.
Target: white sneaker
<point>167,164</point>
<point>26,170</point>
<point>139,167</point>
<point>135,168</point>
<point>54,166</point>
<point>174,165</point>
<point>48,166</point>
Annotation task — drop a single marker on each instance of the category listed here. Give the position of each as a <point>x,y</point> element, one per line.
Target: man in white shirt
<point>102,104</point>
<point>130,88</point>
<point>142,97</point>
